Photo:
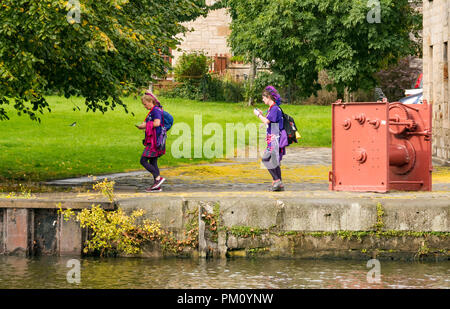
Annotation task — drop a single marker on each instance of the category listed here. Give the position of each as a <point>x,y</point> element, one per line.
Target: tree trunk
<point>340,93</point>
<point>290,92</point>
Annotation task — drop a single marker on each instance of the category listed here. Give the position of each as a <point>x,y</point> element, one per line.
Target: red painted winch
<point>381,146</point>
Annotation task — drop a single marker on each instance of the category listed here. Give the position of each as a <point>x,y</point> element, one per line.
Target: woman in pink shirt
<point>152,126</point>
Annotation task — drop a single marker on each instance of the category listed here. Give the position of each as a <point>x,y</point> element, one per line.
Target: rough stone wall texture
<point>291,228</point>
<point>210,34</point>
<point>435,68</point>
<point>2,226</point>
<point>17,231</point>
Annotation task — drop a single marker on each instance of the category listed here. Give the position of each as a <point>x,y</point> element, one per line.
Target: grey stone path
<point>295,158</point>
<point>139,180</point>
<point>307,156</point>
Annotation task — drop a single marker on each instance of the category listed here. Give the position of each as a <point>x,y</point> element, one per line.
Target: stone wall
<point>31,227</point>
<point>210,34</point>
<point>435,68</point>
<point>306,228</point>
<point>358,228</point>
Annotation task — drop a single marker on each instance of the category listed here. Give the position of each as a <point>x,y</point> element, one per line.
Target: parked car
<point>415,95</point>
<point>413,99</point>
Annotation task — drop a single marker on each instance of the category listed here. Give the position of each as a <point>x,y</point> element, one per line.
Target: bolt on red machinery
<point>381,146</point>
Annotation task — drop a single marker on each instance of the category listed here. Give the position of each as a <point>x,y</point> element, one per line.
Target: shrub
<point>189,89</point>
<point>197,84</point>
<point>323,97</point>
<point>237,58</point>
<point>394,80</point>
<point>223,89</point>
<point>192,66</point>
<point>233,91</point>
<point>209,88</point>
<point>114,232</point>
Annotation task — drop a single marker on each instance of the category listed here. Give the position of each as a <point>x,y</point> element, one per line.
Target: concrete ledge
<point>303,228</point>
<point>53,203</point>
<point>292,226</point>
<point>170,213</point>
<point>291,214</point>
<point>440,162</point>
<point>300,215</point>
<point>417,215</point>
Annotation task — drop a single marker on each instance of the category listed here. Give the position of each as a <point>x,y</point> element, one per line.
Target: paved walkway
<point>303,169</point>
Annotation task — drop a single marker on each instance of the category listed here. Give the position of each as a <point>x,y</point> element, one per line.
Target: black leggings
<point>276,173</point>
<point>151,165</point>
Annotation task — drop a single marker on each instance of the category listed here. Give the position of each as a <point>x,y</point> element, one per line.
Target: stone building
<point>435,73</point>
<point>210,34</point>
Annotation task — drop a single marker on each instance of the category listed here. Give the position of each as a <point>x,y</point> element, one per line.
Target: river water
<point>127,273</point>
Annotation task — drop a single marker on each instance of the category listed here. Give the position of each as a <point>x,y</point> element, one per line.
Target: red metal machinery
<point>381,146</point>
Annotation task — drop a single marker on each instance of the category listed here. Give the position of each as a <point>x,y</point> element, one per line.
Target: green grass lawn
<point>107,143</point>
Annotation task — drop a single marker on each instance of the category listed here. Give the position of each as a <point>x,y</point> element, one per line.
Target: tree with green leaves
<point>350,40</point>
<point>99,50</point>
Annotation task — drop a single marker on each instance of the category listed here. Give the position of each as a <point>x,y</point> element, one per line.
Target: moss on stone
<point>246,231</point>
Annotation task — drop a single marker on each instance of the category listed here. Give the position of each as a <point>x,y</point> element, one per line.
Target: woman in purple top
<point>276,135</point>
<point>149,158</point>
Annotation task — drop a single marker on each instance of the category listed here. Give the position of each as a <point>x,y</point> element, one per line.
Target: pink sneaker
<point>158,183</point>
<point>150,190</point>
